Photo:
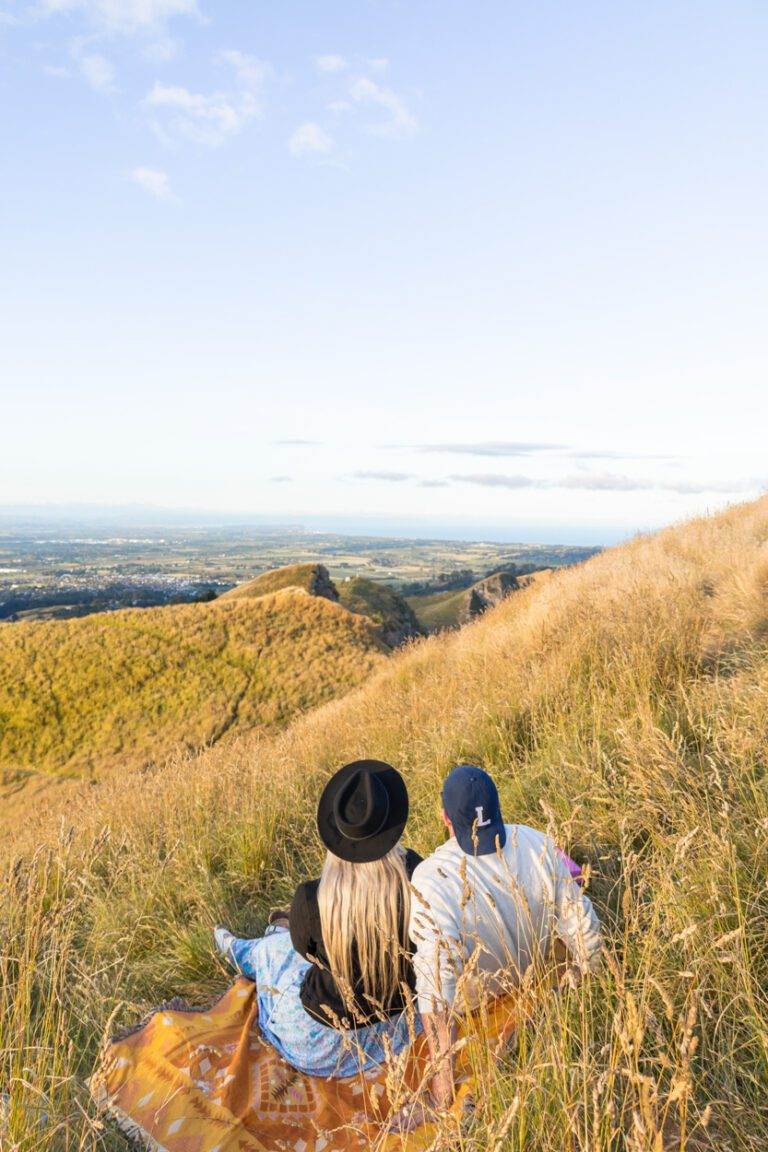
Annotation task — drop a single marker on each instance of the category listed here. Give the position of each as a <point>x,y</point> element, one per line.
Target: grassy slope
<point>291,576</point>
<point>379,602</point>
<point>623,703</point>
<point>127,687</point>
<point>438,610</point>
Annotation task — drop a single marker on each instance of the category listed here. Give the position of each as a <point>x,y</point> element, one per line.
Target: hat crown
<point>362,806</point>
<point>362,811</point>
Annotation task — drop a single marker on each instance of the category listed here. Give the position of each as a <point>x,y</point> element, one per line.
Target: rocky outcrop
<point>395,617</point>
<point>490,591</point>
<point>320,583</point>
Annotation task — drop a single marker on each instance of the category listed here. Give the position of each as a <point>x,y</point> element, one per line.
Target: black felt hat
<point>363,811</point>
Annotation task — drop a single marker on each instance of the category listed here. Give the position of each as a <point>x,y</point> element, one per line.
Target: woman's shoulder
<point>306,894</point>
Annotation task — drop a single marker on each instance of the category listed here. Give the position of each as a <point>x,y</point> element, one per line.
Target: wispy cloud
<point>608,482</point>
<point>490,448</point>
<point>378,64</point>
<point>58,71</point>
<point>210,118</point>
<point>250,71</point>
<point>203,119</point>
<point>154,182</point>
<point>123,17</point>
<point>160,51</point>
<point>297,441</point>
<point>495,480</point>
<point>398,121</point>
<point>389,477</point>
<point>97,71</point>
<point>434,484</point>
<point>309,139</point>
<point>330,63</point>
<point>281,479</point>
<point>600,454</point>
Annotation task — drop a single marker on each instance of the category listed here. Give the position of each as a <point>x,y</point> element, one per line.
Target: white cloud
<point>608,482</point>
<point>124,17</point>
<point>250,72</point>
<point>330,63</point>
<point>309,139</point>
<point>379,64</point>
<point>97,71</point>
<point>399,120</point>
<point>203,119</point>
<point>160,51</point>
<point>383,474</point>
<point>211,118</point>
<point>154,182</point>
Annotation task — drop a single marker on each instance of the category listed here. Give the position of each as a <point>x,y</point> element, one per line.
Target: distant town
<point>55,572</point>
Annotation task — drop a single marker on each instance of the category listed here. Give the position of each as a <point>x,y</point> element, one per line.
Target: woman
<point>334,979</point>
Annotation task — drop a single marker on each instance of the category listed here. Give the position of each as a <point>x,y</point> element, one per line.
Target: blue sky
<point>503,262</point>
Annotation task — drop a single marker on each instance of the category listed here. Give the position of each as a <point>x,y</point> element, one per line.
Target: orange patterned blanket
<point>206,1081</point>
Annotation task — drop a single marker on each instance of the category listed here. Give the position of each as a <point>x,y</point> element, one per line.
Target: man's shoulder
<point>429,868</point>
<point>523,834</point>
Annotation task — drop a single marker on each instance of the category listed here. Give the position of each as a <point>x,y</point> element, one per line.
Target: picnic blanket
<point>204,1080</point>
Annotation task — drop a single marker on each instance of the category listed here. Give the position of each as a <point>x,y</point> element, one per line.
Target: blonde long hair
<point>364,910</point>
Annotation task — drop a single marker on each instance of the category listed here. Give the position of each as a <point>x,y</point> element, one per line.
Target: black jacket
<point>318,988</point>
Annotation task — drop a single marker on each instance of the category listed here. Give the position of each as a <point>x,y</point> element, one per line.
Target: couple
<point>336,975</point>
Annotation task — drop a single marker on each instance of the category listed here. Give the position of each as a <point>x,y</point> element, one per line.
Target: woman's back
<point>352,923</point>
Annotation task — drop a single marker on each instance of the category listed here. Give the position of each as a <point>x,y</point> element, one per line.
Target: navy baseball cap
<point>471,803</point>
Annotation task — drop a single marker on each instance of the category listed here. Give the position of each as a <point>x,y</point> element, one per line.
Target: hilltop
<point>622,704</point>
<point>311,578</point>
<point>371,598</point>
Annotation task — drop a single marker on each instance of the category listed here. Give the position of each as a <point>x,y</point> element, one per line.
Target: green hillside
<point>437,611</point>
<point>383,605</point>
<point>125,688</point>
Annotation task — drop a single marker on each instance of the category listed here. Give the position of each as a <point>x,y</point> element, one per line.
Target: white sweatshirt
<point>502,910</point>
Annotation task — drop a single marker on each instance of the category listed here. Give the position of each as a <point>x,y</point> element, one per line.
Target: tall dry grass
<point>623,704</point>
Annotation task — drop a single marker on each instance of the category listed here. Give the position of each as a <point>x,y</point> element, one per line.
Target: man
<point>487,904</point>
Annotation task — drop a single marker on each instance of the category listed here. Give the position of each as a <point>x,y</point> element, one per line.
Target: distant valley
<point>59,572</point>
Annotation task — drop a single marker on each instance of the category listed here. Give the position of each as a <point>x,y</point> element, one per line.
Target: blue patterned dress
<point>307,1044</point>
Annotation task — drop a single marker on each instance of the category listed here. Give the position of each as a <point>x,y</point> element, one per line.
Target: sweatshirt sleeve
<point>434,933</point>
<point>576,922</point>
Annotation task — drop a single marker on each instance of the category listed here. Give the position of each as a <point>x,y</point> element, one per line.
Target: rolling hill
<point>438,610</point>
<point>622,704</point>
<point>383,605</point>
<point>312,578</point>
<point>126,688</point>
<point>371,598</point>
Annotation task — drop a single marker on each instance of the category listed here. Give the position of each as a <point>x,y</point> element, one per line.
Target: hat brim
<point>484,841</point>
<point>383,841</point>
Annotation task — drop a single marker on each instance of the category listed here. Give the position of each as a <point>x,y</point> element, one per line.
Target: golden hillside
<point>124,688</point>
<point>313,578</point>
<point>623,704</point>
